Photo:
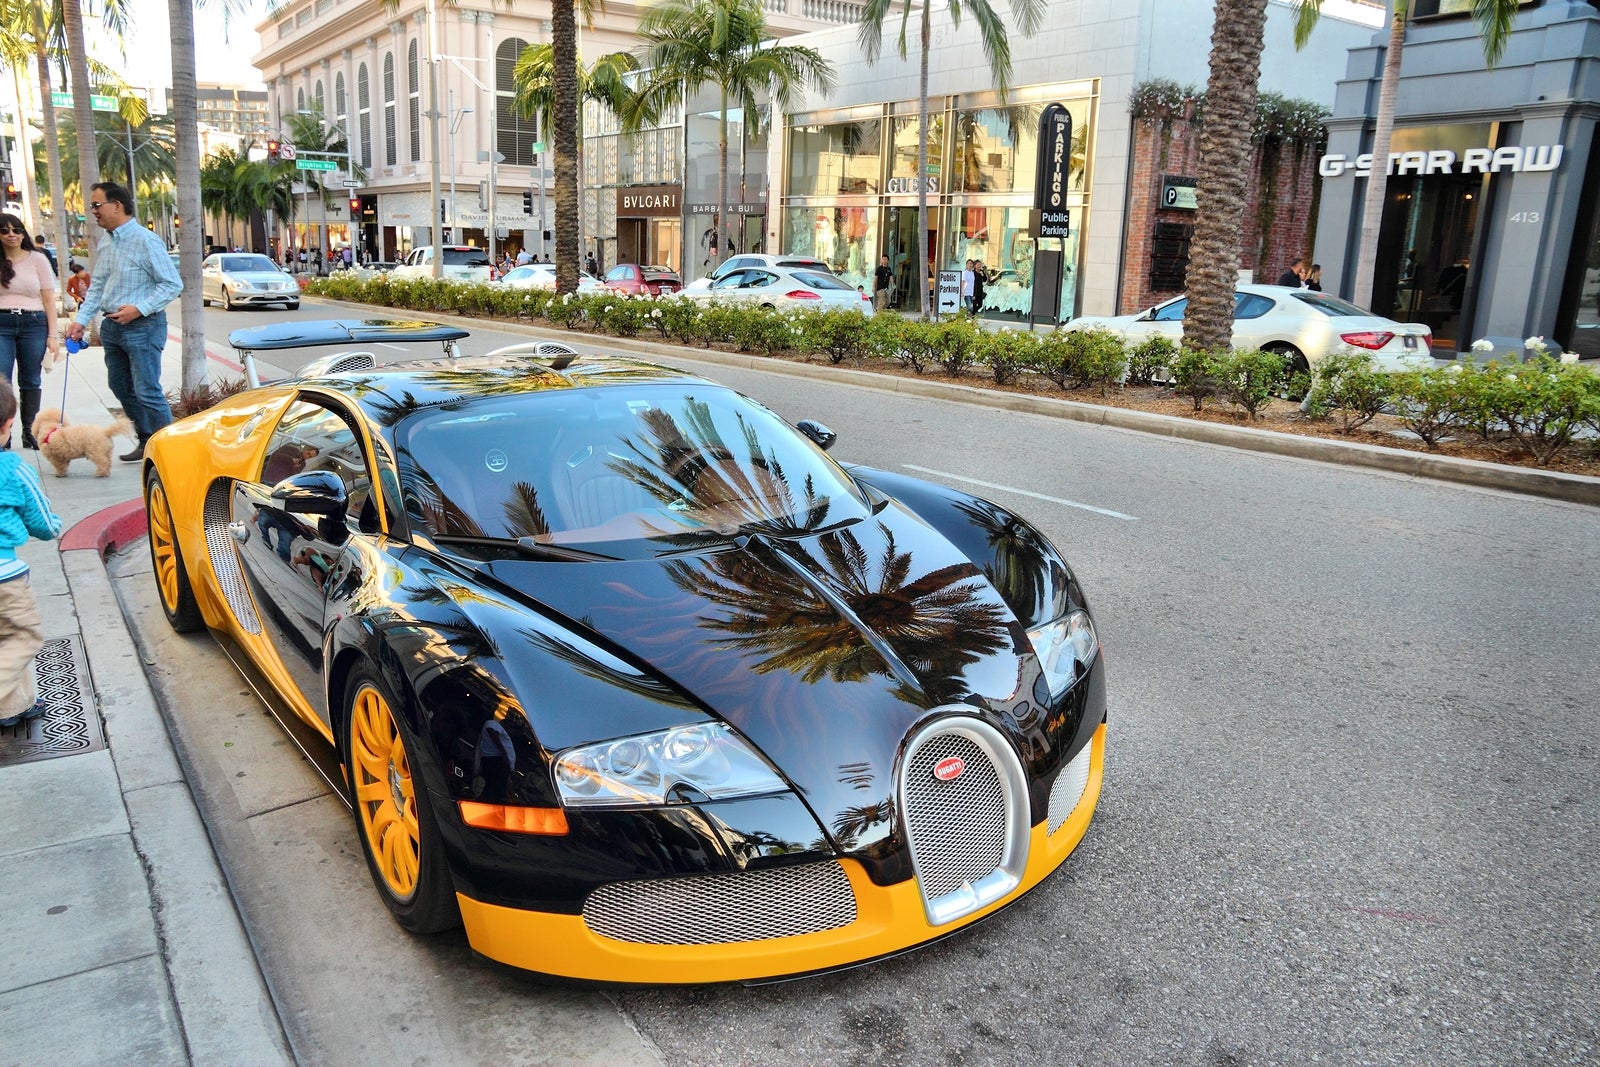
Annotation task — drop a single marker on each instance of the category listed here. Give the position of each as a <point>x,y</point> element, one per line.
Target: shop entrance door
<point>900,244</point>
<point>630,240</point>
<point>1424,268</point>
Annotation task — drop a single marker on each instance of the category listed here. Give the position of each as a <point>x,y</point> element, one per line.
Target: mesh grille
<point>724,908</point>
<point>958,827</point>
<point>352,361</point>
<point>224,563</point>
<point>1069,787</point>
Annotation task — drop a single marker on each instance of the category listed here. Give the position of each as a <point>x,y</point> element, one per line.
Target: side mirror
<point>311,493</point>
<point>819,434</point>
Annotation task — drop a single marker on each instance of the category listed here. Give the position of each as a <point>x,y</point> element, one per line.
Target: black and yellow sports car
<point>623,673</point>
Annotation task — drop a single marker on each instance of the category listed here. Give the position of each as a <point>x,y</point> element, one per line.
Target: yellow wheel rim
<point>386,797</point>
<point>163,546</point>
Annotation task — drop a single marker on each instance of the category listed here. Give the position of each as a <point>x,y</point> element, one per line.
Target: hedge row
<point>1540,407</point>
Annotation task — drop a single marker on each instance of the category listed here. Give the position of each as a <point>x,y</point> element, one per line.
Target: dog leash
<point>73,348</point>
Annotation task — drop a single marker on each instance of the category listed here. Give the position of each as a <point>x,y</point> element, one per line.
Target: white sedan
<point>1302,325</point>
<point>774,287</point>
<point>235,279</point>
<point>543,276</point>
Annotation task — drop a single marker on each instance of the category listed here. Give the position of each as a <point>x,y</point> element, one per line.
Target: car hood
<point>1103,322</point>
<point>822,650</point>
<point>257,277</point>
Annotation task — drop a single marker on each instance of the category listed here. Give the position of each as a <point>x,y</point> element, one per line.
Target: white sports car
<point>1303,325</point>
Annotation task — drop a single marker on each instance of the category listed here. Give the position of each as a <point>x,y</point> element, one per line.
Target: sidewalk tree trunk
<point>88,162</point>
<point>180,14</point>
<point>1223,182</point>
<point>1495,19</point>
<point>1027,14</point>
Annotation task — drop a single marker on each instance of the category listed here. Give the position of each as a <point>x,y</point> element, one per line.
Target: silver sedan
<point>1302,325</point>
<point>235,279</point>
<point>778,287</point>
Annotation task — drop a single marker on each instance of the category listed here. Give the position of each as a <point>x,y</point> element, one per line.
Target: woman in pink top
<point>27,318</point>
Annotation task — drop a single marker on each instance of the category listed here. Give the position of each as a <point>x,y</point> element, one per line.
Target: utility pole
<point>433,138</point>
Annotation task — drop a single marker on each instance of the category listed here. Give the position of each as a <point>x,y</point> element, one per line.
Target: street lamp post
<point>455,123</point>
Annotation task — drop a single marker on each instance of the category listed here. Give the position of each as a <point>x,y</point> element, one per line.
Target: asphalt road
<point>1349,810</point>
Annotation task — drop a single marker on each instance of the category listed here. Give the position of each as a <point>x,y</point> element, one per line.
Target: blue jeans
<point>22,341</point>
<point>133,369</point>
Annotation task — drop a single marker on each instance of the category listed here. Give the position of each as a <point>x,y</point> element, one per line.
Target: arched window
<point>515,133</point>
<point>364,108</point>
<point>414,102</point>
<point>341,105</point>
<point>321,105</point>
<point>388,109</point>
<point>300,98</point>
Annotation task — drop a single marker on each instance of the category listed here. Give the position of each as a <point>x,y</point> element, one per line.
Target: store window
<point>842,235</point>
<point>514,134</point>
<point>999,239</point>
<point>996,148</point>
<point>903,142</point>
<point>841,159</point>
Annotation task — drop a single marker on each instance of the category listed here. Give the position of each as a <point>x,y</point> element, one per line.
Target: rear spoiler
<point>316,333</point>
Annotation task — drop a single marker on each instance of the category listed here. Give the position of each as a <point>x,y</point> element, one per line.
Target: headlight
<point>680,764</point>
<point>1065,649</point>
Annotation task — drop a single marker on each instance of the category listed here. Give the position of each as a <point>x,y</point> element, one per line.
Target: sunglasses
<point>96,205</point>
<point>13,229</point>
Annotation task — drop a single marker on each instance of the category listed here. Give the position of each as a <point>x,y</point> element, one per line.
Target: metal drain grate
<point>72,724</point>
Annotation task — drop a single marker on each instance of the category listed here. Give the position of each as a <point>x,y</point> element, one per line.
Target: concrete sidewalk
<point>122,942</point>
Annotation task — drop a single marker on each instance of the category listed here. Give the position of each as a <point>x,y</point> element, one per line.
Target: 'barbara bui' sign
<point>1050,175</point>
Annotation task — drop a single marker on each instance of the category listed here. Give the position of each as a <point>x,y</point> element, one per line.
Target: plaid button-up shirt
<point>131,267</point>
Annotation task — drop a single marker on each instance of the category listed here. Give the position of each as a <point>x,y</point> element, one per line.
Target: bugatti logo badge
<point>949,769</point>
<point>496,460</point>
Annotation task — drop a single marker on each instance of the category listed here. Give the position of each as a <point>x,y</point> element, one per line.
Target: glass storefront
<point>978,206</point>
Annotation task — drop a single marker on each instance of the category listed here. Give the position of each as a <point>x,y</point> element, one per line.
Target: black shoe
<point>135,456</point>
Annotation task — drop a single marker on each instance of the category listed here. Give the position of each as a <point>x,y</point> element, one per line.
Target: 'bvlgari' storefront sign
<point>1513,158</point>
<point>643,201</point>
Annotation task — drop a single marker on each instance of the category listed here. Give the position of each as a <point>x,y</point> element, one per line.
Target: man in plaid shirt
<point>134,281</point>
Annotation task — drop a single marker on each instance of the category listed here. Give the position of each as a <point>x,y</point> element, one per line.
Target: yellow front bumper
<point>889,919</point>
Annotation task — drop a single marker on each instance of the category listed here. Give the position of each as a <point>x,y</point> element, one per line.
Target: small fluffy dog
<point>62,444</point>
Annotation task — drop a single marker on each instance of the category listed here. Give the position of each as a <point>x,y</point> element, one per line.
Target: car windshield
<point>821,281</point>
<point>666,466</point>
<point>466,257</point>
<point>1332,306</point>
<point>246,264</point>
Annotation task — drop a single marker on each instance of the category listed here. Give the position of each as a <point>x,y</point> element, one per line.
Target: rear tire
<point>166,558</point>
<point>394,817</point>
<point>1295,366</point>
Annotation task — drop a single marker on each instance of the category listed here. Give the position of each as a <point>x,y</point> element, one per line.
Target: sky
<point>219,57</point>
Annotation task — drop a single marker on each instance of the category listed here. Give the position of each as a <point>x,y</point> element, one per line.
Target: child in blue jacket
<point>24,512</point>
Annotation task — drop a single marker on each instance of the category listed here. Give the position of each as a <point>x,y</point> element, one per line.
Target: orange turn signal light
<point>513,820</point>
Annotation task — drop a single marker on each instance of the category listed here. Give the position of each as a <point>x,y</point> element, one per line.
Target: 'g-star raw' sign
<point>1050,175</point>
<point>1512,158</point>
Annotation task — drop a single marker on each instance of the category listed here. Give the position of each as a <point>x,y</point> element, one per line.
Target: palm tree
<point>1494,18</point>
<point>690,44</point>
<point>1236,39</point>
<point>996,49</point>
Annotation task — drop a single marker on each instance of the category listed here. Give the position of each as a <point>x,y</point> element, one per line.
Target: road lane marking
<point>1022,492</point>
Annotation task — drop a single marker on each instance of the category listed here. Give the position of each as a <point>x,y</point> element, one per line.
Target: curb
<point>107,529</point>
<point>1528,481</point>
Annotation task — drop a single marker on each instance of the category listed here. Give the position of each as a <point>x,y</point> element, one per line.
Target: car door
<point>727,287</point>
<point>211,279</point>
<point>761,287</point>
<point>1252,327</point>
<point>293,561</point>
<point>1165,320</point>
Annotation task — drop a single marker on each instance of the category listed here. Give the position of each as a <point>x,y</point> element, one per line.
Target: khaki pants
<point>21,638</point>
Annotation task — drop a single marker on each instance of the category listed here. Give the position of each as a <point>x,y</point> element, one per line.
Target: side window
<point>1250,305</point>
<point>755,279</point>
<point>731,280</point>
<point>617,274</point>
<point>1172,312</point>
<point>312,437</point>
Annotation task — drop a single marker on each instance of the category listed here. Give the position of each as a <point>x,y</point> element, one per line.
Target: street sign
<point>314,164</point>
<point>286,152</point>
<point>537,146</point>
<point>350,183</point>
<point>96,101</point>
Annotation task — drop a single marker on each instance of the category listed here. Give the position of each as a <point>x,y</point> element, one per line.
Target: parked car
<point>543,276</point>
<point>237,279</point>
<point>643,281</point>
<point>621,671</point>
<point>462,263</point>
<point>1300,324</point>
<point>746,260</point>
<point>775,287</point>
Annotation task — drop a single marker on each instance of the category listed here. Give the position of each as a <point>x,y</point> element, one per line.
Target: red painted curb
<point>106,529</point>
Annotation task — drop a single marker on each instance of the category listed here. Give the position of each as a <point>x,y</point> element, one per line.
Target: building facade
<point>365,67</point>
<point>844,165</point>
<point>1490,223</point>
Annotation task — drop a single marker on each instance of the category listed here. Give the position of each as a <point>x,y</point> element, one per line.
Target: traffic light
<point>272,150</point>
<point>527,201</point>
<point>548,236</point>
<point>355,207</point>
<point>11,192</point>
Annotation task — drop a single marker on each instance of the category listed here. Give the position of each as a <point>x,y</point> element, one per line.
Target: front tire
<point>394,818</point>
<point>166,558</point>
<point>227,300</point>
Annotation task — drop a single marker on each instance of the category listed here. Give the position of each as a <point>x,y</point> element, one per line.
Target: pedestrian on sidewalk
<point>24,512</point>
<point>77,285</point>
<point>134,281</point>
<point>882,284</point>
<point>27,319</point>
